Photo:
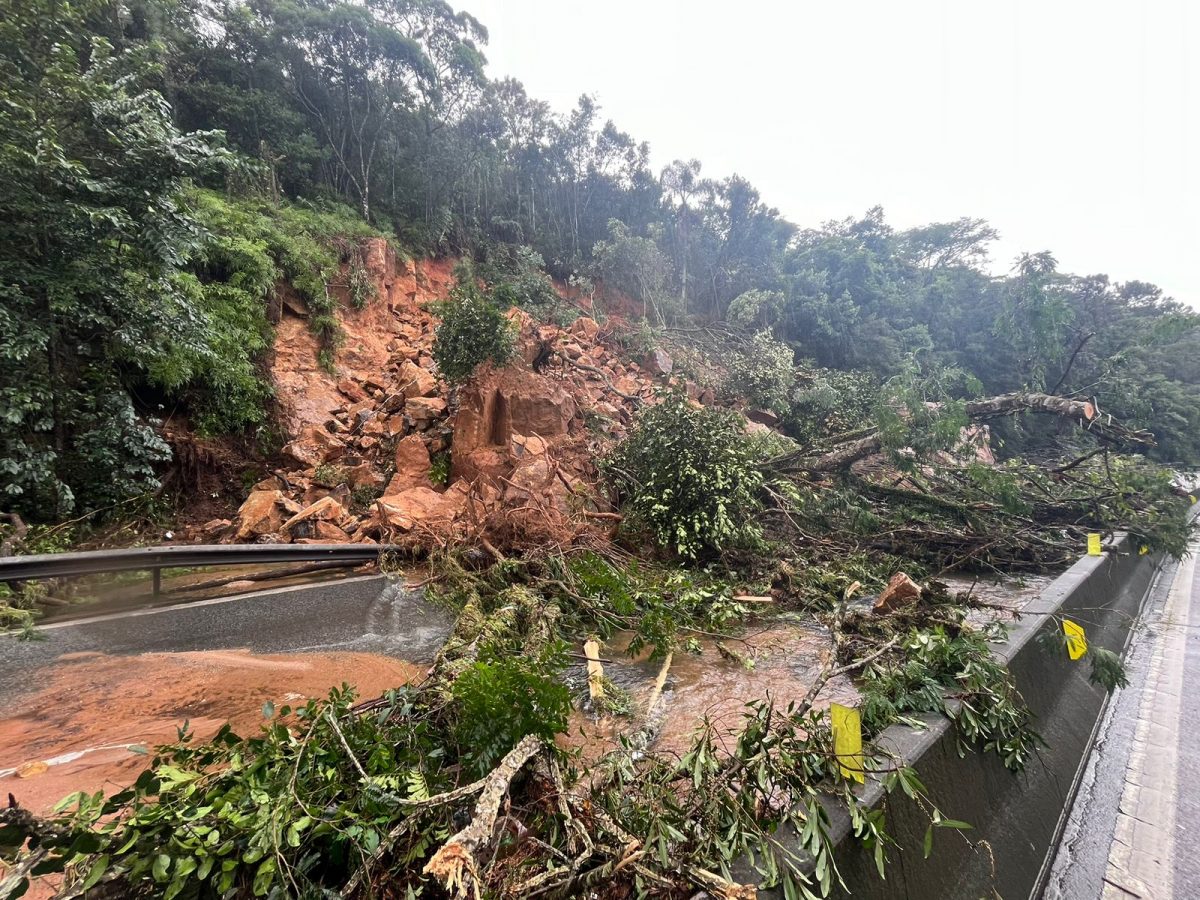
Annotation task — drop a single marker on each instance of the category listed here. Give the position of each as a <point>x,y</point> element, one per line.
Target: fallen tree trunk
<point>845,454</point>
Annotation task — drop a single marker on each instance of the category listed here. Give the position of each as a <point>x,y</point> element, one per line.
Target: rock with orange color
<point>314,445</point>
<point>900,591</point>
<point>327,509</point>
<point>261,513</point>
<point>415,381</point>
<point>494,408</point>
<point>329,533</point>
<point>351,389</point>
<point>587,330</point>
<point>412,465</point>
<point>379,259</point>
<point>420,505</point>
<point>527,445</point>
<point>627,385</point>
<point>425,409</point>
<point>363,475</point>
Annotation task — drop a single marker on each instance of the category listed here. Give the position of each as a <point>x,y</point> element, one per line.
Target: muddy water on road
<point>73,706</point>
<point>778,660</point>
<point>75,732</point>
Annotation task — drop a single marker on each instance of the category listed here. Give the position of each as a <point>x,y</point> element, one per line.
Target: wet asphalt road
<point>1132,828</point>
<point>370,614</point>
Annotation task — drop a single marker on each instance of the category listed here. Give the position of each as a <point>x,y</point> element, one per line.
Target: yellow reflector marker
<point>1192,497</point>
<point>847,741</point>
<point>1093,544</point>
<point>1143,550</point>
<point>1076,639</point>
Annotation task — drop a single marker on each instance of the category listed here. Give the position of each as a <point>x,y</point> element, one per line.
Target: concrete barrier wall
<point>1018,815</point>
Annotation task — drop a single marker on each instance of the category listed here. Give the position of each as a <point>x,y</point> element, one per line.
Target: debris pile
<point>383,450</point>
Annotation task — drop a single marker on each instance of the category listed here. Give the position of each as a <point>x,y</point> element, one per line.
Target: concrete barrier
<point>1019,816</point>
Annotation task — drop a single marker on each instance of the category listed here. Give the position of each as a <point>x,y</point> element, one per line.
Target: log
<point>456,863</point>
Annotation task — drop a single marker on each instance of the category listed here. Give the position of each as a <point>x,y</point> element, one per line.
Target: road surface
<point>1130,833</point>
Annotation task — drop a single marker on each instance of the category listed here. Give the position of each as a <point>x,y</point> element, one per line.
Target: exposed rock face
<point>522,454</point>
<point>900,591</point>
<point>499,405</point>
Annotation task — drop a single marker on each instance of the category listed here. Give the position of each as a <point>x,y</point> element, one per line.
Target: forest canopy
<point>162,158</point>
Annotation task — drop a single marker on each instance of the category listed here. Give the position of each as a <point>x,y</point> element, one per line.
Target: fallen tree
<point>845,453</point>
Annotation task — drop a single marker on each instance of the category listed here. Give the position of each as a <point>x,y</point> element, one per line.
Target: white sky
<point>1070,126</point>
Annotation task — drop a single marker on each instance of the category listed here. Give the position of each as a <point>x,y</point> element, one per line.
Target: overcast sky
<point>1070,126</point>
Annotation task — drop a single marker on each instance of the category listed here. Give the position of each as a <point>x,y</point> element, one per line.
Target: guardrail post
<point>157,581</point>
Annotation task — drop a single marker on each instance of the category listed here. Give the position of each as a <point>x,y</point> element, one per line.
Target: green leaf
<point>162,864</point>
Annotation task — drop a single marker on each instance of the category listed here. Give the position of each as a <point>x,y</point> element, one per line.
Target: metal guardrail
<point>155,559</point>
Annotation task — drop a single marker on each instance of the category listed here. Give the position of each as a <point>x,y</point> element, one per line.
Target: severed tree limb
<point>456,862</point>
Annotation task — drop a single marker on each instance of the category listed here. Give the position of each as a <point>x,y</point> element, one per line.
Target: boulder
<point>260,514</point>
<point>363,475</point>
<point>352,390</point>
<point>313,446</point>
<point>587,330</point>
<point>627,385</point>
<point>327,509</point>
<point>412,465</point>
<point>415,381</point>
<point>763,417</point>
<point>658,362</point>
<point>425,409</point>
<point>527,446</point>
<point>420,505</point>
<point>900,591</point>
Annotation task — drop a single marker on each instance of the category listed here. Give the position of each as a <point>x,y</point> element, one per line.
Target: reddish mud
<point>779,661</point>
<point>72,731</point>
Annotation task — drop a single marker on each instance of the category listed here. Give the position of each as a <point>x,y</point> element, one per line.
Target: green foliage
<point>277,814</point>
<point>504,697</point>
<point>920,414</point>
<point>473,330</point>
<point>93,237</point>
<point>828,402</point>
<point>761,373</point>
<point>956,674</point>
<point>637,267</point>
<point>688,476</point>
<point>515,276</point>
<point>439,467</point>
<point>1108,670</point>
<point>756,310</point>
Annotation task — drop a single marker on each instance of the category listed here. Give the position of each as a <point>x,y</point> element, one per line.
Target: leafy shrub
<point>273,815</point>
<point>473,330</point>
<point>506,696</point>
<point>688,475</point>
<point>762,373</point>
